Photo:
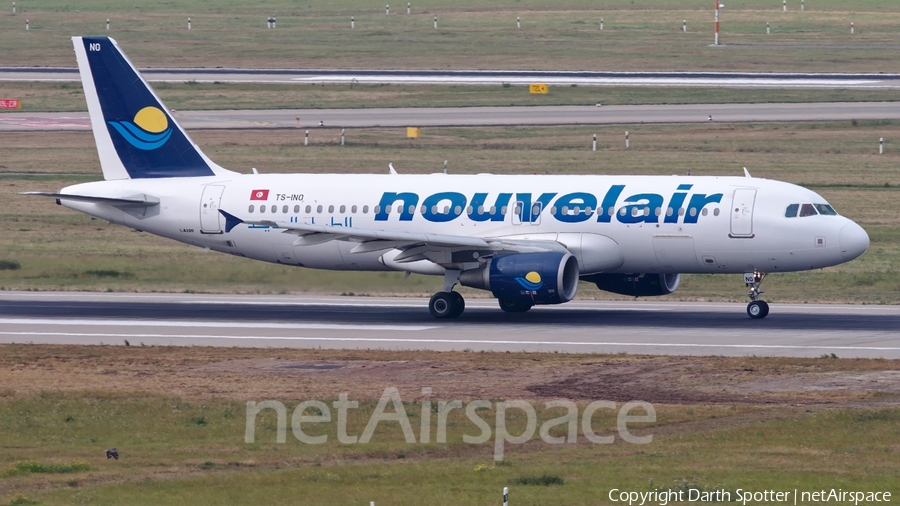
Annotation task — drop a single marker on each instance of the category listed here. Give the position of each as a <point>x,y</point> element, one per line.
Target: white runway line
<point>207,324</point>
<point>459,341</point>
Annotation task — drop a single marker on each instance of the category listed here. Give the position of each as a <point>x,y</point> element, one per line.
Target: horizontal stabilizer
<point>134,201</point>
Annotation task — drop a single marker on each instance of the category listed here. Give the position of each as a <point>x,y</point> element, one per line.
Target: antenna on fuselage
<point>391,167</point>
<point>747,172</point>
<point>254,170</point>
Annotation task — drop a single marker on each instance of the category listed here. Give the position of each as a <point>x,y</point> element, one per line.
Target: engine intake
<point>636,285</point>
<point>536,278</point>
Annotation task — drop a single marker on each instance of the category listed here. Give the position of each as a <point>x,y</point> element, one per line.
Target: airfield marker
<point>716,42</point>
<point>352,23</point>
<point>189,23</point>
<point>518,23</point>
<point>802,7</point>
<point>435,21</point>
<point>684,26</point>
<point>627,144</point>
<point>306,139</point>
<point>595,143</point>
<point>407,7</point>
<point>26,24</point>
<point>784,5</point>
<point>14,8</point>
<point>505,496</point>
<point>881,146</point>
<point>851,27</point>
<point>387,10</point>
<point>601,23</point>
<point>767,28</point>
<point>342,137</point>
<point>107,24</point>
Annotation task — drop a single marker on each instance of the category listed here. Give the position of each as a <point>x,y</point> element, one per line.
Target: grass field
<point>636,35</point>
<point>59,249</point>
<point>64,97</point>
<point>177,417</point>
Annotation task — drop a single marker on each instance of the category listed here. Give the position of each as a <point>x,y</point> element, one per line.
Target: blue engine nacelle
<point>535,278</point>
<point>636,285</point>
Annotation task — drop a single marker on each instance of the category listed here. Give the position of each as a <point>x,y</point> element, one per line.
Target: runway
<point>637,327</point>
<point>484,77</point>
<point>484,116</point>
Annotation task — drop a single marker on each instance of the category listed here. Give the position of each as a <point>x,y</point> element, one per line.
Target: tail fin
<point>135,135</point>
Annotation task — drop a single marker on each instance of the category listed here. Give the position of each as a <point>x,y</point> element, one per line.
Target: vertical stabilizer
<point>135,134</point>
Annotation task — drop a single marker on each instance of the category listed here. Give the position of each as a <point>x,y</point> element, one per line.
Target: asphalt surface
<point>485,77</point>
<point>484,116</point>
<point>641,327</point>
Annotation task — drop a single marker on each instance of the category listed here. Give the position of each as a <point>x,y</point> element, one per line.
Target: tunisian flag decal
<point>259,195</point>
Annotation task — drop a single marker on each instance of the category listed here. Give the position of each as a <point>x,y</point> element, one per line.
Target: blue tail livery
<point>136,136</point>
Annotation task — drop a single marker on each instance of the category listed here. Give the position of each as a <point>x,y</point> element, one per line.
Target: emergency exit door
<point>210,218</point>
<point>742,212</point>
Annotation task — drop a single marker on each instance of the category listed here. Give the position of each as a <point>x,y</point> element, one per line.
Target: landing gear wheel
<point>758,309</point>
<point>514,306</point>
<point>459,304</point>
<point>446,305</point>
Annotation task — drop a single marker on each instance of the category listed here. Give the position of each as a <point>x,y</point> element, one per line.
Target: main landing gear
<point>447,304</point>
<point>756,308</point>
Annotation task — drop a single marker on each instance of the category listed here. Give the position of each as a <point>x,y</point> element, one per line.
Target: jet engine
<point>636,285</point>
<point>527,278</point>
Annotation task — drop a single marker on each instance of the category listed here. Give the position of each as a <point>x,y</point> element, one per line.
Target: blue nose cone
<point>854,241</point>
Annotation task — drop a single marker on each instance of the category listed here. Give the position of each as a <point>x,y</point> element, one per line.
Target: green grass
<point>59,249</point>
<point>168,458</point>
<point>65,97</point>
<point>640,35</point>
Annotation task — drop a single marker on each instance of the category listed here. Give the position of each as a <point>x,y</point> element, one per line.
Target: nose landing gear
<point>756,308</point>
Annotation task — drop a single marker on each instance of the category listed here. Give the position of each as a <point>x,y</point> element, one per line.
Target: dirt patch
<point>294,375</point>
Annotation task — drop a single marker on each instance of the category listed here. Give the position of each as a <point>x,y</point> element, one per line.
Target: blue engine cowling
<point>636,285</point>
<point>536,278</point>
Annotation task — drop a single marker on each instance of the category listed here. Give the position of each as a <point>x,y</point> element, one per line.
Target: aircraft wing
<point>438,248</point>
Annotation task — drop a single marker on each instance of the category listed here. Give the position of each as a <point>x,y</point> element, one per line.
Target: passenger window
<point>353,209</point>
<point>365,209</point>
<point>284,209</point>
<point>274,209</point>
<point>262,209</point>
<point>308,209</point>
<point>331,209</point>
<point>791,211</point>
<point>343,209</point>
<point>250,210</point>
<point>807,210</point>
<point>825,210</point>
<point>716,211</point>
<point>318,209</point>
<point>296,209</point>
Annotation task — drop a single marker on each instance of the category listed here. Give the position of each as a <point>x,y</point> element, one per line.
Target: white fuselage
<point>667,224</point>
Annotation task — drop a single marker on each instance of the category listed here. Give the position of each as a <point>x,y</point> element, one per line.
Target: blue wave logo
<point>149,131</point>
<point>531,281</point>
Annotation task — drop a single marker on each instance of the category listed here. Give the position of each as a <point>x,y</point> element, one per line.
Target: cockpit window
<point>791,211</point>
<point>807,210</point>
<point>825,210</point>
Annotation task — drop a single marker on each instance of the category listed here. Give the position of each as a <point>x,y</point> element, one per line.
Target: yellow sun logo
<point>151,119</point>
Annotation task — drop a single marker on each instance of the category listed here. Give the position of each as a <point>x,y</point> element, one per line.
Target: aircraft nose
<point>854,241</point>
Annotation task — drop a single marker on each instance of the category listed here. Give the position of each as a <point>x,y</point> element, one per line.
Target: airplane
<point>527,239</point>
